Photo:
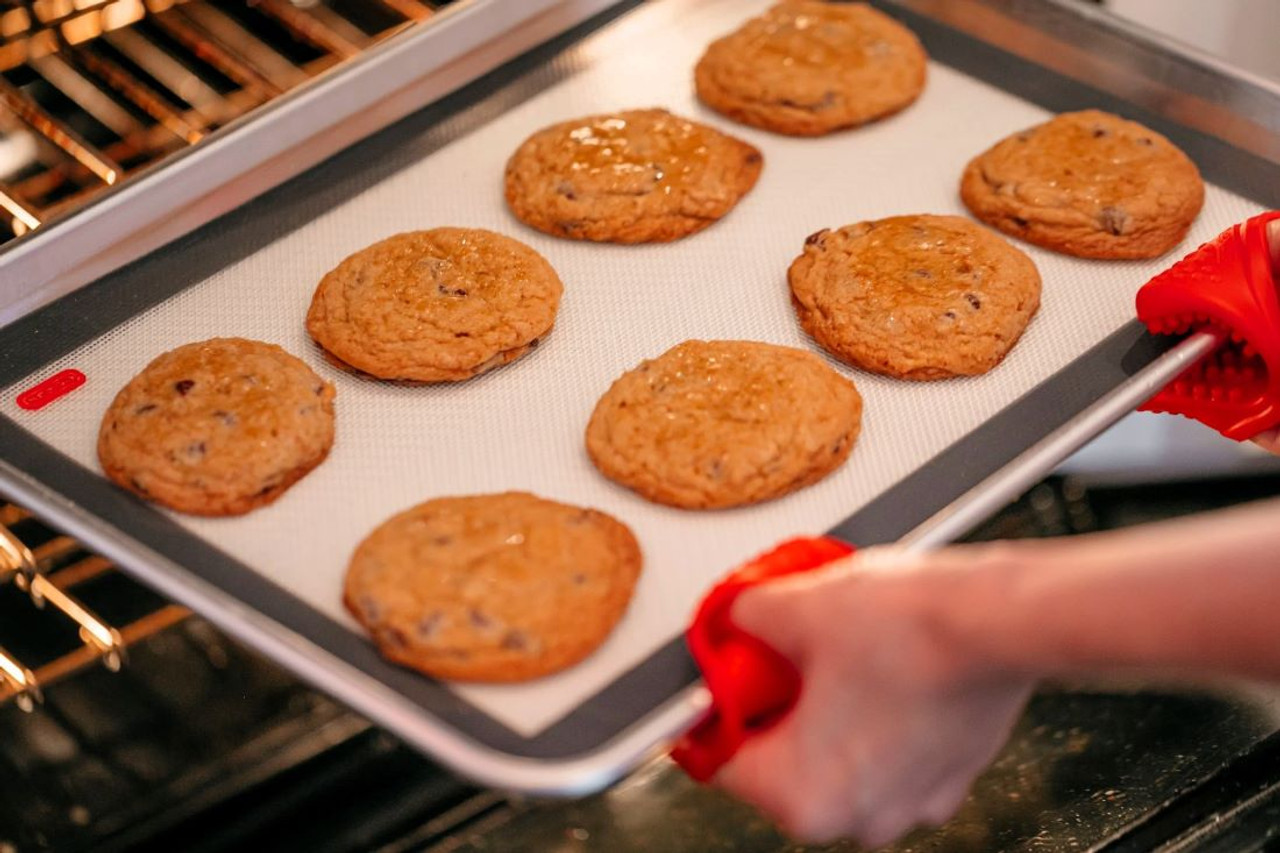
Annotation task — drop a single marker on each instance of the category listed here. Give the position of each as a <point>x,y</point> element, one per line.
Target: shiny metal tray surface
<point>656,698</point>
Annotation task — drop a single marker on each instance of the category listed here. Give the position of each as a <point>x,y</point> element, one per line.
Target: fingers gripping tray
<point>273,578</point>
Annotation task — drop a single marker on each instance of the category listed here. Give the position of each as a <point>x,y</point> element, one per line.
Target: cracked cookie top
<point>435,306</point>
<point>217,427</point>
<point>711,424</point>
<point>1089,184</point>
<point>642,176</point>
<point>808,68</point>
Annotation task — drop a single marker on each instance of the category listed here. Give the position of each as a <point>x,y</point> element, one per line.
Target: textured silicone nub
<point>1228,285</point>
<point>752,687</point>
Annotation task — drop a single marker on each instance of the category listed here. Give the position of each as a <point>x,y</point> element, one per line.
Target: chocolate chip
<point>370,608</point>
<point>1024,136</point>
<point>579,579</point>
<point>1146,141</point>
<point>950,315</point>
<point>462,334</point>
<point>973,301</point>
<point>195,451</point>
<point>515,641</point>
<point>429,624</point>
<point>182,386</point>
<point>533,344</point>
<point>445,290</point>
<point>479,619</point>
<point>754,157</point>
<point>318,389</point>
<point>1018,221</point>
<point>964,267</point>
<point>922,274</point>
<point>442,540</point>
<point>566,189</point>
<point>1113,220</point>
<point>137,486</point>
<point>144,408</point>
<point>226,418</point>
<point>1099,132</point>
<point>818,238</point>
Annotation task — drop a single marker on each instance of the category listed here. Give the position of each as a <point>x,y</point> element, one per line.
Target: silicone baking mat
<point>521,427</point>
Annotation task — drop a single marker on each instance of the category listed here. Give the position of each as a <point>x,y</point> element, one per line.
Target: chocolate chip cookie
<point>1089,184</point>
<point>642,176</point>
<point>915,297</point>
<point>502,587</point>
<point>218,427</point>
<point>711,424</point>
<point>435,306</point>
<point>807,68</point>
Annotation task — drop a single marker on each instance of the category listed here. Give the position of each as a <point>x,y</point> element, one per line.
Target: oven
<point>132,132</point>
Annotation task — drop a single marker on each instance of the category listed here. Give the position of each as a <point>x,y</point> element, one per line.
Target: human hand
<point>896,717</point>
<point>1270,440</point>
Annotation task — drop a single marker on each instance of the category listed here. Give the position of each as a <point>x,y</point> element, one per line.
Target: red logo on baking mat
<point>58,385</point>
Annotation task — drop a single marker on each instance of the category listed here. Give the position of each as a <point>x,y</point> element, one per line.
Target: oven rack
<point>47,575</point>
<point>93,92</point>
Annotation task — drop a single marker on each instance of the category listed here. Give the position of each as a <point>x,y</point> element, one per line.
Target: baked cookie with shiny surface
<point>807,68</point>
<point>641,176</point>
<point>435,306</point>
<point>915,297</point>
<point>503,587</point>
<point>217,427</point>
<point>711,424</point>
<point>1089,184</point>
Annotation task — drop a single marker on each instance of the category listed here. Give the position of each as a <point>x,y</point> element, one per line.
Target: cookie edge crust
<point>514,669</point>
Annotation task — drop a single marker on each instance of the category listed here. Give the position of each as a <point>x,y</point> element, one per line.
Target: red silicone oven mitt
<point>752,686</point>
<point>1228,285</point>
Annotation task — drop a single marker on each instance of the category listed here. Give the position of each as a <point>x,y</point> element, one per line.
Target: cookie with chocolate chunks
<point>1089,184</point>
<point>914,297</point>
<point>641,176</point>
<point>218,427</point>
<point>435,306</point>
<point>808,68</point>
<point>712,424</point>
<point>504,587</point>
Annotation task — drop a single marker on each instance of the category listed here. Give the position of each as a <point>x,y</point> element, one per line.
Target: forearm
<point>1198,596</point>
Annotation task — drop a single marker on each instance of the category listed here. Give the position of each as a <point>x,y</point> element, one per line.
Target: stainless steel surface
<point>986,498</point>
<point>1117,56</point>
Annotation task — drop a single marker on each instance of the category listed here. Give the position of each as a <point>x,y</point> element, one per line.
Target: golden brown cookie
<point>1088,184</point>
<point>435,306</point>
<point>916,297</point>
<point>807,68</point>
<point>218,427</point>
<point>643,176</point>
<point>502,587</point>
<point>711,424</point>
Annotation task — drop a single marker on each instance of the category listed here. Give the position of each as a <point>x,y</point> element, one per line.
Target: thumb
<point>775,614</point>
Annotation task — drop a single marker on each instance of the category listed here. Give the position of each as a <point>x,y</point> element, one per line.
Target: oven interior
<point>196,743</point>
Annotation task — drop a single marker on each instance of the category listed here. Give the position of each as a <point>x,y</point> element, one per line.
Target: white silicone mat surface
<point>521,427</point>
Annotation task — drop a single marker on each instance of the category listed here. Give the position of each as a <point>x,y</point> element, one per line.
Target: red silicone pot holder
<point>1228,285</point>
<point>752,687</point>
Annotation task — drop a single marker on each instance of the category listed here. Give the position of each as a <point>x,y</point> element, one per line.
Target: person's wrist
<point>975,607</point>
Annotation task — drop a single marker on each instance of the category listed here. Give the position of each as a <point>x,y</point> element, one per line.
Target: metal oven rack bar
<point>49,573</point>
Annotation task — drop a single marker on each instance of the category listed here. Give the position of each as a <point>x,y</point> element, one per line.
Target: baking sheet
<point>521,427</point>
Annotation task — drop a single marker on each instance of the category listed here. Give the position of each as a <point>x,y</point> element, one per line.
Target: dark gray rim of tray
<point>40,338</point>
